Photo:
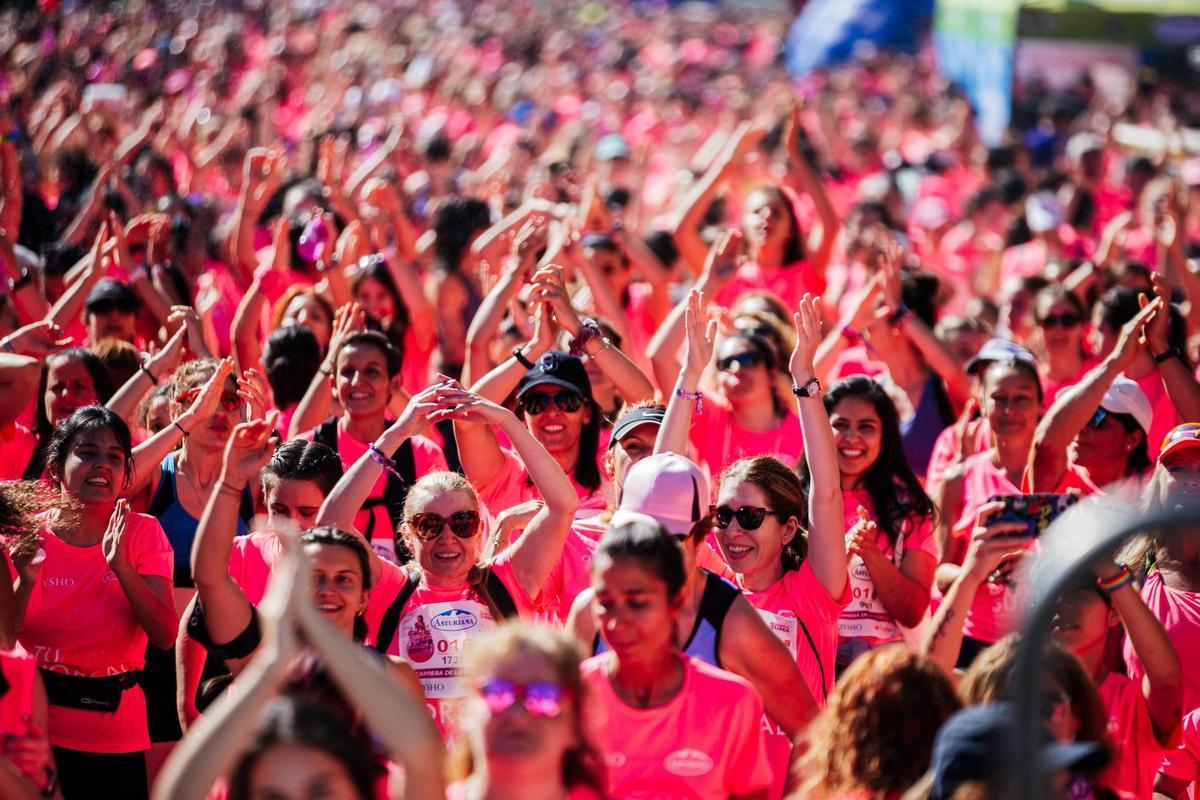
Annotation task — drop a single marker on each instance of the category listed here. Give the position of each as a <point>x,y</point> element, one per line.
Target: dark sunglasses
<point>229,400</point>
<point>103,307</point>
<point>463,524</point>
<point>1060,321</point>
<point>1098,418</point>
<point>544,700</point>
<point>744,360</point>
<point>565,401</point>
<point>749,518</point>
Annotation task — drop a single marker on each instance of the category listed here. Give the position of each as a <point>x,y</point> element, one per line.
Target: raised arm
<point>66,309</point>
<point>826,531</point>
<point>248,317</point>
<point>1177,376</point>
<point>226,610</point>
<point>1076,404</point>
<point>802,177</point>
<point>697,350</point>
<point>158,368</point>
<point>313,408</point>
<point>849,330</point>
<point>538,550</point>
<point>486,322</point>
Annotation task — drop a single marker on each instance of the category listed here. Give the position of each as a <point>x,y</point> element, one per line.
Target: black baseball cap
<point>644,415</point>
<point>558,369</point>
<point>978,744</point>
<point>110,290</point>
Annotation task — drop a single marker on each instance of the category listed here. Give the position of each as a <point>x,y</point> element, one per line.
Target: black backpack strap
<point>502,599</point>
<point>391,617</point>
<point>395,491</point>
<point>326,434</point>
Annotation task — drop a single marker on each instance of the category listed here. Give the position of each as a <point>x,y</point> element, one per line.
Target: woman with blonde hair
<point>875,736</point>
<point>522,721</point>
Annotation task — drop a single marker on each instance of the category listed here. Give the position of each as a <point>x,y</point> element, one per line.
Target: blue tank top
<point>179,525</point>
<point>704,642</point>
<point>920,433</point>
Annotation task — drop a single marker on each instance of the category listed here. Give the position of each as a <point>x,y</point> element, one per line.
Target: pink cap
<point>668,487</point>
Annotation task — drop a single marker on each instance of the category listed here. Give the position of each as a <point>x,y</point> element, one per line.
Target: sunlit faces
<point>446,559</point>
<point>69,387</point>
<point>1011,400</point>
<point>375,299</point>
<point>361,380</point>
<point>1183,476</point>
<point>742,371</point>
<point>295,500</point>
<point>295,772</point>
<point>632,448</point>
<point>767,218</point>
<point>113,319</point>
<point>95,469</point>
<point>858,435</point>
<point>306,310</point>
<point>559,420</point>
<point>337,583</point>
<point>513,738</point>
<point>1059,325</point>
<point>1082,620</point>
<point>632,608</point>
<point>757,551</point>
<point>1104,441</point>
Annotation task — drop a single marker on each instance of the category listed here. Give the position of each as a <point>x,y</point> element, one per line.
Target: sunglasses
<point>104,307</point>
<point>744,360</point>
<point>1098,418</point>
<point>749,518</point>
<point>229,400</point>
<point>1060,321</point>
<point>543,700</point>
<point>463,524</point>
<point>565,401</point>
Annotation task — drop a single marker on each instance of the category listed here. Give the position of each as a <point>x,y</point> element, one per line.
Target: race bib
<point>783,624</point>
<point>435,638</point>
<point>865,617</point>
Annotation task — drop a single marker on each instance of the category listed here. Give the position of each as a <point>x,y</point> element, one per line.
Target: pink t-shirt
<point>789,283</point>
<point>436,628</point>
<point>376,523</point>
<point>866,617</point>
<point>720,441</point>
<point>414,369</point>
<point>1179,612</point>
<point>512,486</point>
<point>706,742</point>
<point>996,610</point>
<point>79,622</point>
<point>1183,762</point>
<point>458,791</point>
<point>17,444</point>
<point>1051,387</point>
<point>640,324</point>
<point>945,450</point>
<point>1136,750</point>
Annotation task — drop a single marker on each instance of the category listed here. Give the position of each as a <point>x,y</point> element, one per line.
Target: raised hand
<point>862,539</point>
<point>346,320</point>
<point>255,390</point>
<point>414,420</point>
<point>163,363</point>
<point>189,319</point>
<point>1129,342</point>
<point>722,263</point>
<point>210,394</point>
<point>461,405</point>
<point>868,303</point>
<point>547,287</point>
<point>37,339</point>
<point>281,246</point>
<point>808,338</point>
<point>701,334</point>
<point>1156,335</point>
<point>248,450</point>
<point>114,545</point>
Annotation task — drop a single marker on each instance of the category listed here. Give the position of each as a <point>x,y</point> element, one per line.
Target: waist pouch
<point>89,694</point>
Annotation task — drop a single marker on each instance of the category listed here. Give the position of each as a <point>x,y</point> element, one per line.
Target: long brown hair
<point>876,732</point>
<point>785,497</point>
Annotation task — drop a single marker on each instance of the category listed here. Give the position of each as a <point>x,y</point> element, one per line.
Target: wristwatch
<point>810,389</point>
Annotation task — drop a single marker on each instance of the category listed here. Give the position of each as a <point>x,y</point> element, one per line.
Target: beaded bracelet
<point>379,458</point>
<point>697,396</point>
<point>1118,581</point>
<point>182,429</point>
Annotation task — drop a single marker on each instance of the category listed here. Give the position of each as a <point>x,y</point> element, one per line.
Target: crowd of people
<point>444,399</point>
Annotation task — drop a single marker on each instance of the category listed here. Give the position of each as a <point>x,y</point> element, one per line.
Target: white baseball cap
<point>1126,397</point>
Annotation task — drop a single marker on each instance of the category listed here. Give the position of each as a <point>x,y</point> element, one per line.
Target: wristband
<point>520,357</point>
<point>23,281</point>
<point>225,487</point>
<point>697,396</point>
<point>588,331</point>
<point>1171,352</point>
<point>900,315</point>
<point>146,369</point>
<point>1118,581</point>
<point>379,458</point>
<point>182,429</point>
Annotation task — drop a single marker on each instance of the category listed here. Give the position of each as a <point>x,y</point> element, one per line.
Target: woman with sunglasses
<point>1012,405</point>
<point>88,607</point>
<point>668,724</point>
<point>451,595</point>
<point>888,519</point>
<point>364,377</point>
<point>1060,316</point>
<point>746,417</point>
<point>524,720</point>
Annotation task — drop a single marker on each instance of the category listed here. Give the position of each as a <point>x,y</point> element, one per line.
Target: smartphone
<point>1036,511</point>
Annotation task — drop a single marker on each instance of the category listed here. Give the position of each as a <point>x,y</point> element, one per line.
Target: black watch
<point>810,389</point>
<point>1172,352</point>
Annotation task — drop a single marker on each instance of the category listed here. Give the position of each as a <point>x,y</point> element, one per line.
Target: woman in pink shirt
<point>71,379</point>
<point>1012,404</point>
<point>1060,318</point>
<point>745,417</point>
<point>452,594</point>
<point>669,726</point>
<point>524,719</point>
<point>87,609</point>
<point>888,520</point>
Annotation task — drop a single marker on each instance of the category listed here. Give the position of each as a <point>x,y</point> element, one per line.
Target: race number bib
<point>865,617</point>
<point>435,638</point>
<point>783,624</point>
